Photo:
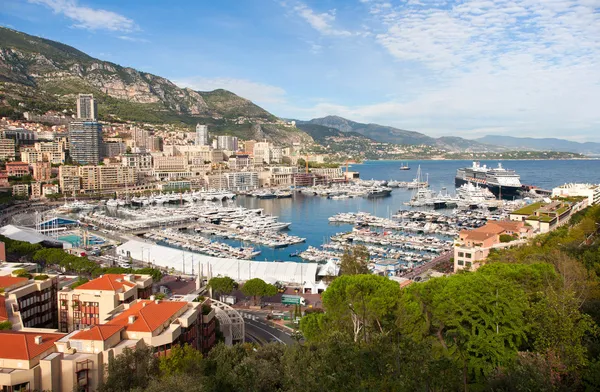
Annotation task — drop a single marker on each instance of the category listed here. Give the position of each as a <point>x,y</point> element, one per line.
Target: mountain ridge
<point>388,134</point>
<point>38,73</point>
<point>554,144</point>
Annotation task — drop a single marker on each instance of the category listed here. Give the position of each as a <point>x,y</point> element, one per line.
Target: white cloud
<point>322,22</point>
<point>89,18</point>
<point>257,92</point>
<point>132,39</point>
<point>520,67</point>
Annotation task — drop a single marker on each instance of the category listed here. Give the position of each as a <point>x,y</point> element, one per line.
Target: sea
<point>309,214</point>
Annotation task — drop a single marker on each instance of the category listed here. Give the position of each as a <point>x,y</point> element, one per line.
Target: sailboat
<point>404,166</point>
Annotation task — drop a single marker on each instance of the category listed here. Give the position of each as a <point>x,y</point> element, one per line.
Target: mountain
<point>320,133</point>
<point>543,144</point>
<point>38,74</point>
<point>386,134</point>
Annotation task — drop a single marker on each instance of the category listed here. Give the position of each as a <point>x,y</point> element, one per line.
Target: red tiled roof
<point>98,332</point>
<point>108,282</point>
<point>3,312</point>
<point>8,281</point>
<point>148,317</point>
<point>21,345</point>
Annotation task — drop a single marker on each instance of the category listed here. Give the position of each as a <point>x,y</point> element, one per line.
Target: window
<point>461,254</point>
<point>469,264</point>
<point>468,255</point>
<point>460,262</point>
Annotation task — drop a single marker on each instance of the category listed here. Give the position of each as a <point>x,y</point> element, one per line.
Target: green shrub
<point>41,277</point>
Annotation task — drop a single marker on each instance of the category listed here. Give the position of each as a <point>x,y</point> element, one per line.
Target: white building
<point>308,276</point>
<point>262,152</point>
<point>201,135</point>
<point>591,191</point>
<point>227,143</point>
<point>86,107</point>
<point>234,181</point>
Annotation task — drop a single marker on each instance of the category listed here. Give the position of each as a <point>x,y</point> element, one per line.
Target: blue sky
<point>465,67</point>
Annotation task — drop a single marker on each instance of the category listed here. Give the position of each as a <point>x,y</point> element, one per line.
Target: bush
<point>22,273</point>
<point>41,277</point>
<point>5,326</point>
<point>504,238</point>
<point>206,309</point>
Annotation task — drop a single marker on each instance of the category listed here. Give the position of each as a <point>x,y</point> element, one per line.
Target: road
<point>259,331</point>
<point>427,266</point>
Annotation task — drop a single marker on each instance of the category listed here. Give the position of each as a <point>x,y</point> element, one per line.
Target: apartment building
<point>262,153</point>
<point>239,161</point>
<point>7,150</point>
<point>473,246</point>
<point>545,217</point>
<point>308,179</point>
<point>20,136</point>
<point>233,181</point>
<point>170,163</point>
<point>113,149</point>
<point>92,302</point>
<point>227,143</point>
<point>331,173</point>
<point>42,171</point>
<point>21,190</point>
<point>53,152</point>
<point>278,176</point>
<point>87,108</point>
<point>85,138</point>
<point>201,135</point>
<point>17,169</point>
<point>93,178</point>
<point>30,303</point>
<point>589,191</point>
<point>69,179</point>
<point>77,361</point>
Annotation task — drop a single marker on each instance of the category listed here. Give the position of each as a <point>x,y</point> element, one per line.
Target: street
<point>259,331</point>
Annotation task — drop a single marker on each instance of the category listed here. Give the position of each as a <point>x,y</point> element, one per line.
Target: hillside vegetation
<point>38,74</point>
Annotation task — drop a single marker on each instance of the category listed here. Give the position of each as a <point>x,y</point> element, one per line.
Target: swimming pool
<point>77,241</point>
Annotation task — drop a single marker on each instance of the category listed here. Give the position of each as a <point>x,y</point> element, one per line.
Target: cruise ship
<point>504,183</point>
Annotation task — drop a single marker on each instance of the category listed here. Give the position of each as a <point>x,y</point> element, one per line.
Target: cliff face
<point>39,74</point>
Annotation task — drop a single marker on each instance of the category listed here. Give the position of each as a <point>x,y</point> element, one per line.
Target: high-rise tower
<point>86,107</point>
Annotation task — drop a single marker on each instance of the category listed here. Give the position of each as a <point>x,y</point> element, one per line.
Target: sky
<point>465,68</point>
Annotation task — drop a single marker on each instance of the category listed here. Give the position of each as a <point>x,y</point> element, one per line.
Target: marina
<point>301,224</point>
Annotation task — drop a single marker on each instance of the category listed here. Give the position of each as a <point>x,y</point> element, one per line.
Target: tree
<point>362,305</point>
<point>181,359</point>
<point>355,261</point>
<point>222,285</point>
<point>476,319</point>
<point>187,382</point>
<point>258,288</point>
<point>132,369</point>
<point>314,326</point>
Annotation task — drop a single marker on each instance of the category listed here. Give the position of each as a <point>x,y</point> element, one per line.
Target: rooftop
<point>528,210</point>
<point>9,281</point>
<point>108,282</point>
<point>149,315</point>
<point>98,332</point>
<point>22,345</point>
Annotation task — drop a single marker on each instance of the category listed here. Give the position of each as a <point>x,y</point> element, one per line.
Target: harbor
<point>311,224</point>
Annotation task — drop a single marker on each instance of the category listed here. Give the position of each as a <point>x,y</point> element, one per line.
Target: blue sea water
<point>309,214</point>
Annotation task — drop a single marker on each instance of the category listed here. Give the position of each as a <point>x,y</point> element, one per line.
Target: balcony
<point>207,315</point>
<point>168,336</point>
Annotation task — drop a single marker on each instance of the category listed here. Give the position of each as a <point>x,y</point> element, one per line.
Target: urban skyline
<point>466,69</point>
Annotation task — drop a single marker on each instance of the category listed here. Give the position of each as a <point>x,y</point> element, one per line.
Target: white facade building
<point>201,135</point>
<point>591,191</point>
<point>227,143</point>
